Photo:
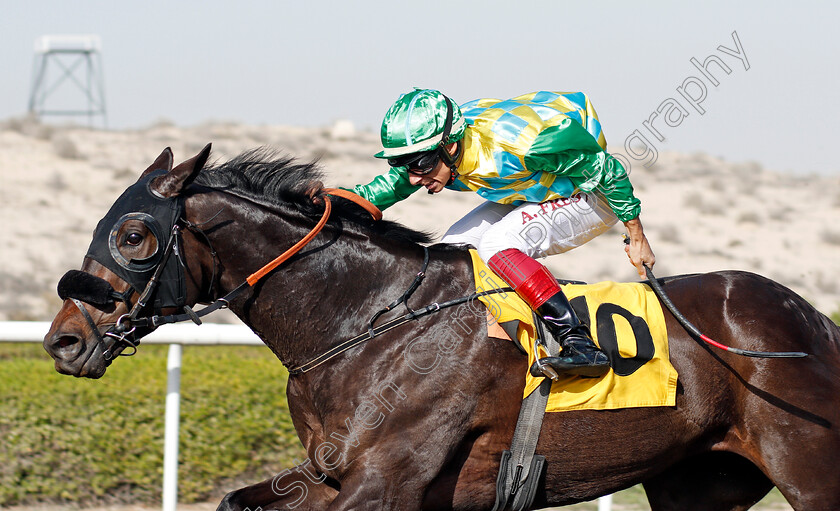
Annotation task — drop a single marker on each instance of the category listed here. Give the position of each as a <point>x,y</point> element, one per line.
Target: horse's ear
<point>172,184</point>
<point>164,161</point>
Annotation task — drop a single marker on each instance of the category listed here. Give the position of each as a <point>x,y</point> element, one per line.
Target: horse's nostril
<point>65,341</point>
<point>65,347</point>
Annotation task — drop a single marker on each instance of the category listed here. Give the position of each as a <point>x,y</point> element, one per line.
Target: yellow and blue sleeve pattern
<point>537,147</point>
<point>525,116</point>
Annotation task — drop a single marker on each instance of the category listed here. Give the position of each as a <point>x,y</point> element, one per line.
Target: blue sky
<point>310,63</point>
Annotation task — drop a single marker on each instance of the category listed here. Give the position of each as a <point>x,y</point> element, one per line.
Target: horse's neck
<point>317,299</point>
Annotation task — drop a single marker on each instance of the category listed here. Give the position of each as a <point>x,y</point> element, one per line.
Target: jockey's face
<point>437,179</point>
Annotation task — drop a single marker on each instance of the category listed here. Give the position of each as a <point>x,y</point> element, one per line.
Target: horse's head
<point>131,265</point>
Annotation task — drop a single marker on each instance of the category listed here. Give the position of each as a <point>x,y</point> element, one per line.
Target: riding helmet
<point>417,121</point>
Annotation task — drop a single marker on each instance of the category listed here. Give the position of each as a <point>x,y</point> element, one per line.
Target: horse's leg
<point>799,453</point>
<point>373,490</point>
<point>716,481</point>
<point>287,490</point>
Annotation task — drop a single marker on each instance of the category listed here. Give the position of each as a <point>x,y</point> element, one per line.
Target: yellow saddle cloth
<point>627,323</point>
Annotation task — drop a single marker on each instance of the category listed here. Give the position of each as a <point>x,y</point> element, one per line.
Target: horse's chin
<point>93,367</point>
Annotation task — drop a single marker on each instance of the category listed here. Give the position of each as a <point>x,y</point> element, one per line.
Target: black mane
<point>280,181</point>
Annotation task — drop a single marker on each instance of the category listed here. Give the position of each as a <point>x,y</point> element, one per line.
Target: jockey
<point>540,162</point>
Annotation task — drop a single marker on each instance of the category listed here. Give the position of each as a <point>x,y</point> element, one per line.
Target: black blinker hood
<point>159,214</point>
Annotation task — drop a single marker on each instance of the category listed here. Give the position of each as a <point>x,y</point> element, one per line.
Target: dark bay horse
<point>417,418</point>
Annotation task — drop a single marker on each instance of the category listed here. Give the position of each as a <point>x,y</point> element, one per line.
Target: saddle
<point>627,323</point>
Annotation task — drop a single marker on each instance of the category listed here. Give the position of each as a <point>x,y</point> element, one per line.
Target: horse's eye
<point>134,239</point>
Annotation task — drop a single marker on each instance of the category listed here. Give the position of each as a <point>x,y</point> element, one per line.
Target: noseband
<point>80,286</point>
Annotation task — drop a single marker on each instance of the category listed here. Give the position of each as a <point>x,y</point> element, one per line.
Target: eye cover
<point>135,265</point>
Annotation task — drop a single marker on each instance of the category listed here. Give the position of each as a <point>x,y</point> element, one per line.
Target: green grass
<point>77,440</point>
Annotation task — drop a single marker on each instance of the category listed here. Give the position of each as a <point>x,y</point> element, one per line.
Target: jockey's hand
<point>638,250</point>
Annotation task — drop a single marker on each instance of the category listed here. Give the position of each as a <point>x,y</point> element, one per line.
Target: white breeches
<point>538,230</point>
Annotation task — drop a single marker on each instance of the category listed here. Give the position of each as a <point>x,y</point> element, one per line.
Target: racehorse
<point>381,434</point>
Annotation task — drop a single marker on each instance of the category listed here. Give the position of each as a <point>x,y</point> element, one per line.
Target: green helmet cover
<point>416,122</point>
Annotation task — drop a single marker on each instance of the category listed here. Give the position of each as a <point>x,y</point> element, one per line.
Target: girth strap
<point>521,469</point>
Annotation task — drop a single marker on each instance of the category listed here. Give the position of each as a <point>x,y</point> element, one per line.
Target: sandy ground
<point>700,213</point>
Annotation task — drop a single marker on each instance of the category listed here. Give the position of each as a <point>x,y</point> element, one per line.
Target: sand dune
<point>701,213</point>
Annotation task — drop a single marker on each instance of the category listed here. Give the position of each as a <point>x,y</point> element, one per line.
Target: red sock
<point>531,280</point>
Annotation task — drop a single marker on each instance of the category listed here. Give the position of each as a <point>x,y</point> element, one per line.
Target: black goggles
<point>417,163</point>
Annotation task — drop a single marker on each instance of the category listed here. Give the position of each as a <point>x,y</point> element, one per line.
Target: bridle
<point>124,330</point>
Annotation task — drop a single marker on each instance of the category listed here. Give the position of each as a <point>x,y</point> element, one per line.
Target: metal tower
<point>68,59</point>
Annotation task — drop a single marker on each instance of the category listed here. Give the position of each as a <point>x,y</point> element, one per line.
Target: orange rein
<point>370,208</point>
<point>361,201</point>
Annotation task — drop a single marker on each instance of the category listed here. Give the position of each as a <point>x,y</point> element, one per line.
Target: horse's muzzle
<point>73,355</point>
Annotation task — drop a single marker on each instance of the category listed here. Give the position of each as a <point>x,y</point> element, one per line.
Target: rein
<point>373,331</point>
<point>122,331</point>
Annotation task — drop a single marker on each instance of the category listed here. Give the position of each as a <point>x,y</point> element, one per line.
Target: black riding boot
<point>579,354</point>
